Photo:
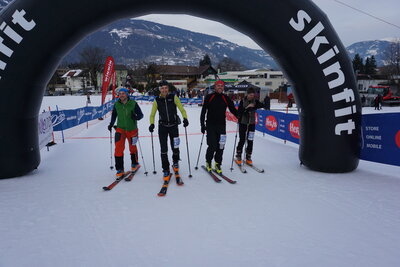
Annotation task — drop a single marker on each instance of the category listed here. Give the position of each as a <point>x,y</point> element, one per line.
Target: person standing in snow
<point>214,107</point>
<point>166,104</point>
<point>247,125</point>
<point>128,113</point>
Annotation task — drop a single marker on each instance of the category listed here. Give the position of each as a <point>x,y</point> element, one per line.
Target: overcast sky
<point>352,26</point>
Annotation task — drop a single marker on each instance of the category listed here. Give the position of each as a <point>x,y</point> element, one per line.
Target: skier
<point>166,104</point>
<point>214,106</point>
<point>246,113</point>
<point>128,113</point>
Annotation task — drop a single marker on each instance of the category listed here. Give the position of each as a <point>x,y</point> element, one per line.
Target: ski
<point>215,178</point>
<point>117,180</point>
<point>130,177</point>
<point>241,168</point>
<point>224,177</point>
<point>164,187</point>
<point>255,168</point>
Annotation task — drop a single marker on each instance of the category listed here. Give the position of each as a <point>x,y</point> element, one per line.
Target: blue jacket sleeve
<point>138,112</point>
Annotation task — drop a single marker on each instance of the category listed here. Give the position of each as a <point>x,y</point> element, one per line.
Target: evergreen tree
<point>358,65</point>
<point>205,61</point>
<point>370,66</point>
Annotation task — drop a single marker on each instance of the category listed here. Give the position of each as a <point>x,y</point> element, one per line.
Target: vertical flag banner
<point>107,76</point>
<point>114,83</point>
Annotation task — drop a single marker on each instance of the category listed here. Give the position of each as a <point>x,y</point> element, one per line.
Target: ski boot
<point>238,159</point>
<point>208,166</point>
<point>135,167</point>
<point>120,174</point>
<point>175,167</point>
<point>217,168</point>
<point>248,160</point>
<point>166,175</point>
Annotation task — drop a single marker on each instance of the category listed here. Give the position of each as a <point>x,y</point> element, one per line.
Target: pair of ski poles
<point>141,153</point>
<point>152,150</point>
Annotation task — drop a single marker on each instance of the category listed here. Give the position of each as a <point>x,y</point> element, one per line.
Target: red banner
<point>107,75</point>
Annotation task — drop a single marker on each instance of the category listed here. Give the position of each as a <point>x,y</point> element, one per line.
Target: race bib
<point>222,141</point>
<point>134,140</point>
<point>177,141</point>
<point>250,136</point>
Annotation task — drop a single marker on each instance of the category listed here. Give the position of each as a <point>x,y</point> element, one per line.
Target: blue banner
<point>65,119</point>
<point>278,124</point>
<point>189,101</point>
<point>381,138</point>
<point>380,133</point>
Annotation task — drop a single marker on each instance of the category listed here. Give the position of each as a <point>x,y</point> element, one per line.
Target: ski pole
<point>187,148</point>
<point>198,157</point>
<point>234,146</point>
<point>111,166</point>
<point>152,150</point>
<point>141,153</point>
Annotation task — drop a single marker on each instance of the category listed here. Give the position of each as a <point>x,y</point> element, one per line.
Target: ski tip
<point>161,195</point>
<point>105,188</point>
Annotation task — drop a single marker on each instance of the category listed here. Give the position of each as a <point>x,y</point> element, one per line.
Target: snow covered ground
<point>289,216</point>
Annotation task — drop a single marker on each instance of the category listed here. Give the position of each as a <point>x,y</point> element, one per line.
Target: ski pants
<point>246,132</point>
<point>173,133</point>
<point>216,137</point>
<point>120,137</point>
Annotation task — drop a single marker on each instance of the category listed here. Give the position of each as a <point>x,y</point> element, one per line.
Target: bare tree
<point>92,58</point>
<point>392,61</point>
<point>228,64</point>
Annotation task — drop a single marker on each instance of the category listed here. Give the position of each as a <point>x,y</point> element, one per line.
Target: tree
<point>370,66</point>
<point>392,58</point>
<point>205,61</point>
<point>92,58</point>
<point>229,64</point>
<point>358,65</point>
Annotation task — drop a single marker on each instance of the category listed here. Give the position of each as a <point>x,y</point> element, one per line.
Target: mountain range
<point>130,41</point>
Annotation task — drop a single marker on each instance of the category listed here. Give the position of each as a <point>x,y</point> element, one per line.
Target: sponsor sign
<point>45,128</point>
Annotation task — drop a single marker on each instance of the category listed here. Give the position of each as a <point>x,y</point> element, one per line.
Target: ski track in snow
<point>289,216</point>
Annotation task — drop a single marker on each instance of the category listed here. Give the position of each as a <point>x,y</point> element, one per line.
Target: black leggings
<point>243,135</point>
<point>215,149</point>
<point>163,133</point>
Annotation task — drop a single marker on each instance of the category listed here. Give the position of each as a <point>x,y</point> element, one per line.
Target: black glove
<point>109,127</point>
<point>151,128</point>
<point>203,129</point>
<point>185,122</point>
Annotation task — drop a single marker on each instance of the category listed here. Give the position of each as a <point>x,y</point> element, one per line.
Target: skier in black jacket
<point>214,106</point>
<point>247,125</point>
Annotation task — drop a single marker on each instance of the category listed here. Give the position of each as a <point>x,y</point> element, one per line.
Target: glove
<point>203,129</point>
<point>151,128</point>
<point>185,122</point>
<point>109,127</point>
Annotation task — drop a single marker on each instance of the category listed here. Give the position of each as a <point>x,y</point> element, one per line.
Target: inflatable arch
<point>35,35</point>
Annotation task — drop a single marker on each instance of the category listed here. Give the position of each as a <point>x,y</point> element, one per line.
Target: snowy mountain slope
<point>288,216</point>
<point>131,40</point>
<point>376,48</point>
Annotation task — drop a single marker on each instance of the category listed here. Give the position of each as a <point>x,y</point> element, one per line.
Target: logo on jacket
<point>294,129</point>
<point>271,123</point>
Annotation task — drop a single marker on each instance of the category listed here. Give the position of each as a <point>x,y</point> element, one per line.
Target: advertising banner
<point>45,129</point>
<point>65,119</point>
<point>107,76</point>
<point>381,138</point>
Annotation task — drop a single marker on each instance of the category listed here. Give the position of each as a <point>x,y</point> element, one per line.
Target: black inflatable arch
<point>35,35</point>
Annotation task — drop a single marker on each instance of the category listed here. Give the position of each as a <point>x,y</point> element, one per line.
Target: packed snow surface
<point>289,216</point>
